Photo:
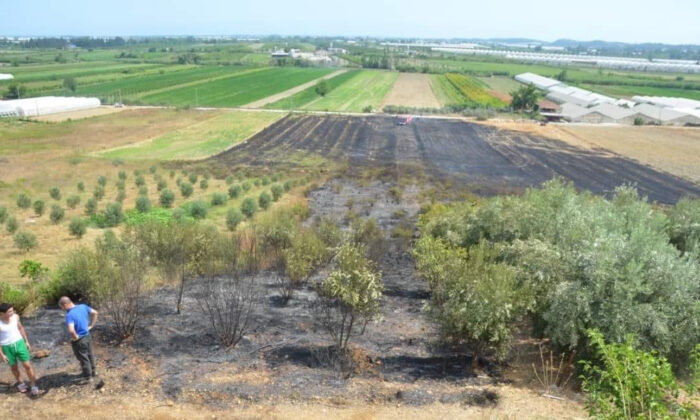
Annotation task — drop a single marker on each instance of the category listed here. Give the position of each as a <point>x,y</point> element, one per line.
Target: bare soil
<point>488,160</point>
<point>412,90</point>
<point>77,115</point>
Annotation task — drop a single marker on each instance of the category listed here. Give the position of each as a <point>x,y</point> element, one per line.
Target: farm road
<point>486,159</point>
<point>274,98</point>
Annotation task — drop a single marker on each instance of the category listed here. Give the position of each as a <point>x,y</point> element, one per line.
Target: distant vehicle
<point>404,120</point>
<point>118,105</point>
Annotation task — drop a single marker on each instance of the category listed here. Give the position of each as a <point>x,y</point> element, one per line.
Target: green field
<point>199,140</point>
<point>366,88</point>
<point>308,95</point>
<point>500,83</point>
<point>629,91</point>
<point>238,90</point>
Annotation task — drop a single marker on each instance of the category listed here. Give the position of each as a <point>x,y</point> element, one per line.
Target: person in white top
<point>15,347</point>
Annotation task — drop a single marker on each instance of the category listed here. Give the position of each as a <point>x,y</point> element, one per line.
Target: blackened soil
<point>487,159</point>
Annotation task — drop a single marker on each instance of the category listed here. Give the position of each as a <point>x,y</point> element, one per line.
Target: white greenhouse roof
<point>31,107</point>
<point>5,76</point>
<point>540,82</point>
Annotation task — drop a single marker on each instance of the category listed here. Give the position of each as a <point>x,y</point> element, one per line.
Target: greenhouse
<point>32,107</point>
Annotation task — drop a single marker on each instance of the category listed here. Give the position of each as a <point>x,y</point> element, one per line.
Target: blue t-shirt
<point>79,315</point>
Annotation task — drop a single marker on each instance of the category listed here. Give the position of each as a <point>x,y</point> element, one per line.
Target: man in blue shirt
<point>80,319</point>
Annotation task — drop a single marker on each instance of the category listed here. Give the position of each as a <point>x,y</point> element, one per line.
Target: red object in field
<point>404,121</point>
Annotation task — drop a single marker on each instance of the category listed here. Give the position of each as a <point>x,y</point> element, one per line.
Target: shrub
<point>218,199</point>
<point>233,218</point>
<point>264,200</point>
<point>24,241</point>
<point>55,193</point>
<point>277,192</point>
<point>186,189</point>
<point>266,181</point>
<point>121,195</point>
<point>234,191</point>
<point>73,201</point>
<point>91,206</point>
<point>204,184</point>
<point>287,185</point>
<point>638,121</point>
<point>11,225</point>
<point>230,180</point>
<point>304,255</point>
<point>77,227</point>
<point>349,296</point>
<point>111,216</point>
<point>20,298</point>
<point>33,270</point>
<point>122,175</point>
<point>23,201</point>
<point>395,193</point>
<point>192,178</point>
<point>140,180</point>
<point>198,209</point>
<point>81,186</point>
<point>102,181</point>
<point>143,190</point>
<point>98,193</point>
<point>629,383</point>
<point>56,214</point>
<point>162,185</point>
<point>257,182</point>
<point>3,214</point>
<point>246,186</point>
<point>152,169</point>
<point>249,207</point>
<point>38,207</point>
<point>121,185</point>
<point>172,174</point>
<point>76,277</point>
<point>143,204</point>
<point>167,198</point>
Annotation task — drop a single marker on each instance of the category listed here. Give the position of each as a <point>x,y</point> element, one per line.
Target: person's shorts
<point>16,351</point>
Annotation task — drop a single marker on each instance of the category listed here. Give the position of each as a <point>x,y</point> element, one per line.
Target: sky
<point>668,21</point>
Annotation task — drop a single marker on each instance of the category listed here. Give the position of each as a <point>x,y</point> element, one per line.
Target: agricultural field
<point>238,90</point>
<point>309,94</point>
<point>206,138</point>
<point>365,89</point>
<point>483,157</point>
<point>501,86</point>
<point>69,153</point>
<point>462,90</point>
<point>412,90</point>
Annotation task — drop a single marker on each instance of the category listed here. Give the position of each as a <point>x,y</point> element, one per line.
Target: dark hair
<point>4,307</point>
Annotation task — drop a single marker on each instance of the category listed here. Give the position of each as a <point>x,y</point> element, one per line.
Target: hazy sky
<point>669,21</point>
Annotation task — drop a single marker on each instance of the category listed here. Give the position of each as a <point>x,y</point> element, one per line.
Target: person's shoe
<point>99,383</point>
<point>35,391</point>
<point>22,387</point>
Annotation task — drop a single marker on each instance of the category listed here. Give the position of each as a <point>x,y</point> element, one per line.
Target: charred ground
<point>484,159</point>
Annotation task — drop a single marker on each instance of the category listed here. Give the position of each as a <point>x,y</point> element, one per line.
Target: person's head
<point>6,311</point>
<point>65,303</point>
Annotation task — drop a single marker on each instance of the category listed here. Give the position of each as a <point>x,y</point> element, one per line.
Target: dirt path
<point>76,115</point>
<point>412,90</point>
<point>274,98</point>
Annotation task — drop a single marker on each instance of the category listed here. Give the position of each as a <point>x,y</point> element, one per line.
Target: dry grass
<point>675,150</point>
<point>77,115</point>
<point>412,90</point>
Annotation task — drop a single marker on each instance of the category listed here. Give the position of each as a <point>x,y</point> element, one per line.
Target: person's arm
<point>93,318</point>
<point>71,331</point>
<point>24,333</point>
<point>4,359</point>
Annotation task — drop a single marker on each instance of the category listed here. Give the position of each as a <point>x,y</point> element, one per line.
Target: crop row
<point>473,91</point>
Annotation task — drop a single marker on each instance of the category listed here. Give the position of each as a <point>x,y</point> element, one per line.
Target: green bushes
<point>73,201</point>
<point>582,262</point>
<point>249,207</point>
<point>38,207</point>
<point>11,225</point>
<point>24,241</point>
<point>77,227</point>
<point>277,192</point>
<point>102,181</point>
<point>186,189</point>
<point>91,206</point>
<point>198,209</point>
<point>76,277</point>
<point>234,191</point>
<point>3,214</point>
<point>218,199</point>
<point>143,204</point>
<point>264,200</point>
<point>55,193</point>
<point>57,213</point>
<point>630,383</point>
<point>233,218</point>
<point>167,198</point>
<point>23,201</point>
<point>99,192</point>
<point>204,184</point>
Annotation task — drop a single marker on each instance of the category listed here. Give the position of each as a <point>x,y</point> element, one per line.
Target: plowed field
<point>486,159</point>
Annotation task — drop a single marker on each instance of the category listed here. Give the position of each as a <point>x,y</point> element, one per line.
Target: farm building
<point>5,76</point>
<point>668,116</point>
<point>32,107</point>
<point>540,82</point>
<point>668,102</point>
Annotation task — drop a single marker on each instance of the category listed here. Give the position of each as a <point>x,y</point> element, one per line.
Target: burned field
<point>484,159</point>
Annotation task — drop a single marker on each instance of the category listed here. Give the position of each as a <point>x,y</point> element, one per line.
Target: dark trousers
<point>82,349</point>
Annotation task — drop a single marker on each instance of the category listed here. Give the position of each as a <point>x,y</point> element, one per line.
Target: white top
<point>9,333</point>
